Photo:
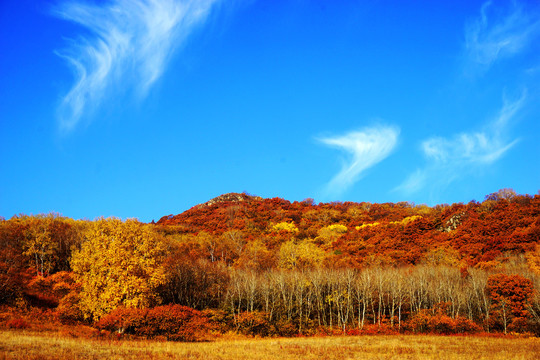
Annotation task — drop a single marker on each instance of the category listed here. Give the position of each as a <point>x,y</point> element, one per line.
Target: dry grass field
<point>32,345</point>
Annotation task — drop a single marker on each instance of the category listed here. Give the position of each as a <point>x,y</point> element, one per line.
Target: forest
<point>270,267</point>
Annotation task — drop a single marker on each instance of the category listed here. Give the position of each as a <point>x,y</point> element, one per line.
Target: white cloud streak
<point>498,33</point>
<point>367,148</point>
<point>127,43</point>
<point>450,158</point>
<point>492,37</point>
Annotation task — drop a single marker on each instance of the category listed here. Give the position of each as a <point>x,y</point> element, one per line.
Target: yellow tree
<point>39,244</point>
<point>256,256</point>
<point>119,264</point>
<point>533,259</point>
<point>303,254</point>
<point>290,227</point>
<point>329,234</point>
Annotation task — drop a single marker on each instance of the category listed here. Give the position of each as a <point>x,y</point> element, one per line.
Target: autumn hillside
<point>360,234</point>
<point>268,267</point>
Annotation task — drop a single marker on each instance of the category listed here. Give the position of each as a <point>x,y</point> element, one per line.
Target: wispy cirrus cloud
<point>448,159</point>
<point>499,33</point>
<point>367,147</point>
<point>127,43</point>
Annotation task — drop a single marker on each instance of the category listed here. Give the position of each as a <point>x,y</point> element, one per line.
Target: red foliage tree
<point>510,297</point>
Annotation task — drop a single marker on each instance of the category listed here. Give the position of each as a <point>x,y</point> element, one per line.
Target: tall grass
<point>31,345</point>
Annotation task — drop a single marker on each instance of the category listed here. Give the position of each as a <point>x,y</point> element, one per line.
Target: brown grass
<point>17,344</point>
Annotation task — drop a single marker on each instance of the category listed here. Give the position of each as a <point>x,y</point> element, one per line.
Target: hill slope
<point>355,234</point>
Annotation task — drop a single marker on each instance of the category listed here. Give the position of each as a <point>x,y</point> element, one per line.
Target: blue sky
<point>144,108</point>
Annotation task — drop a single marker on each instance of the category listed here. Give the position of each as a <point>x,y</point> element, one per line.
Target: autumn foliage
<point>173,322</point>
<point>119,264</point>
<point>438,322</point>
<point>511,297</point>
<point>271,267</point>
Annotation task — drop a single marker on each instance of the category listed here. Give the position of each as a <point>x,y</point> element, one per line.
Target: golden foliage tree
<point>119,264</point>
<point>39,243</point>
<point>329,234</point>
<point>286,226</point>
<point>302,254</point>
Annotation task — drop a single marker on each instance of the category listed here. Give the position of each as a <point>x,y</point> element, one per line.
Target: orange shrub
<point>17,323</point>
<point>253,323</point>
<point>219,320</point>
<point>258,323</point>
<point>123,320</point>
<point>427,322</point>
<point>375,329</point>
<point>285,327</point>
<point>464,325</point>
<point>68,309</point>
<point>175,322</point>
